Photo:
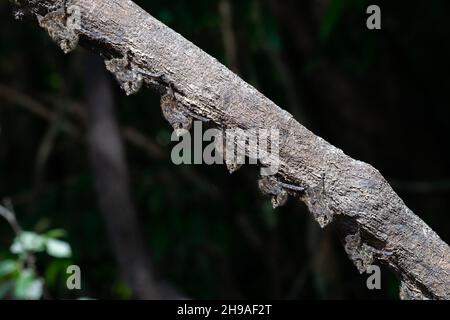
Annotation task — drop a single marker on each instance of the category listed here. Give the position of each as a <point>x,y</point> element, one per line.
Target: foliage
<point>18,276</point>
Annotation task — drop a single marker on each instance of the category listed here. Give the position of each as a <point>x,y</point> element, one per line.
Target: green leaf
<point>28,242</point>
<point>7,267</point>
<point>35,290</point>
<point>28,286</point>
<point>58,249</point>
<point>55,271</point>
<point>56,233</point>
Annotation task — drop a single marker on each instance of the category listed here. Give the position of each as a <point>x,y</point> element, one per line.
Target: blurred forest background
<point>131,219</point>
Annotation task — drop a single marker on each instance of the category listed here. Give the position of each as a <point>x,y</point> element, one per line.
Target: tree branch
<point>377,226</point>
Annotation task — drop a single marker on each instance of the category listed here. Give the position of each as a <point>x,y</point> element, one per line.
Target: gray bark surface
<point>377,227</point>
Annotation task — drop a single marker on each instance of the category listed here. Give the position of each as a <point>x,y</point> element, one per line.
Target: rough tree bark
<point>377,226</point>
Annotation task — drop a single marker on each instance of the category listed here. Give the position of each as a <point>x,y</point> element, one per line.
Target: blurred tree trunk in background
<point>112,183</point>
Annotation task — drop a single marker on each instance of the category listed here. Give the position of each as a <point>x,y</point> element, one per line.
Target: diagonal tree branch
<point>376,225</point>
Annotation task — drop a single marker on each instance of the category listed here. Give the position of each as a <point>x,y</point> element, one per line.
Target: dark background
<point>382,96</point>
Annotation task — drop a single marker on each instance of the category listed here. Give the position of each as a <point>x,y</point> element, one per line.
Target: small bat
<point>179,117</point>
<point>227,153</point>
<point>278,191</point>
